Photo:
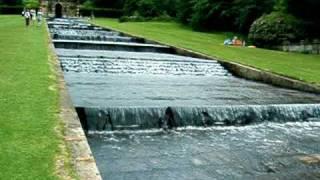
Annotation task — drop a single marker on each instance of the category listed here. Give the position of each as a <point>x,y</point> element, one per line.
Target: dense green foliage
<point>299,66</point>
<point>28,102</point>
<point>247,11</point>
<point>235,15</point>
<point>207,15</point>
<point>150,8</point>
<point>102,8</point>
<point>101,12</point>
<point>276,28</point>
<point>111,4</point>
<point>212,14</point>
<point>308,11</point>
<point>185,10</point>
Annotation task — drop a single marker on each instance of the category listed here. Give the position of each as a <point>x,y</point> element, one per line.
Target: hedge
<point>4,9</point>
<point>101,12</point>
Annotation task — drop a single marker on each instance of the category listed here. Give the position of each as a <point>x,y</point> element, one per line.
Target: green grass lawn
<point>298,66</point>
<point>28,108</point>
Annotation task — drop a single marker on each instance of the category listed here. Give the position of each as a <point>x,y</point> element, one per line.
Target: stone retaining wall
<point>81,155</point>
<point>302,47</point>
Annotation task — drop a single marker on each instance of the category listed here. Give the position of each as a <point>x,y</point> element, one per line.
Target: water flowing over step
<point>89,35</point>
<point>136,118</point>
<point>79,32</point>
<point>94,38</point>
<point>123,65</point>
<point>76,27</point>
<point>72,25</point>
<point>115,46</point>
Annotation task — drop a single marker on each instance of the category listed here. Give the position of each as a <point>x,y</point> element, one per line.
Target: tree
<point>88,4</point>
<point>185,10</point>
<point>130,7</point>
<point>281,6</point>
<point>245,12</point>
<point>149,8</point>
<point>114,4</point>
<point>212,14</point>
<point>31,3</point>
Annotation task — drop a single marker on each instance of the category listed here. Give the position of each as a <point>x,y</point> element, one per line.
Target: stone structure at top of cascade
<point>60,8</point>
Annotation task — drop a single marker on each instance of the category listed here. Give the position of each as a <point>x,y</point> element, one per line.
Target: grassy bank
<point>298,66</point>
<point>28,102</point>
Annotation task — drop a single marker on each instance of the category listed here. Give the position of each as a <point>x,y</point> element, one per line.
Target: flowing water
<point>265,151</point>
<point>152,114</point>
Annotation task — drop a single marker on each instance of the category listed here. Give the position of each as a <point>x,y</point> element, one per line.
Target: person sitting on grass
<point>227,42</point>
<point>234,42</point>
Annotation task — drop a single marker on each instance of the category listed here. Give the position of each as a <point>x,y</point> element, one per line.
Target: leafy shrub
<point>132,19</point>
<point>275,28</point>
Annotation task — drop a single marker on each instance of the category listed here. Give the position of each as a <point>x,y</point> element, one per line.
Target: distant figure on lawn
<point>27,17</point>
<point>39,17</point>
<point>33,15</point>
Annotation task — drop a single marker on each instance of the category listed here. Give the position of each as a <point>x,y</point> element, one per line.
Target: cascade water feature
<point>89,35</point>
<point>172,117</point>
<point>121,85</point>
<point>109,45</point>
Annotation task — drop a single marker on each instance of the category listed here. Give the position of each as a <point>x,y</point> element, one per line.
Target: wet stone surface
<point>265,151</point>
